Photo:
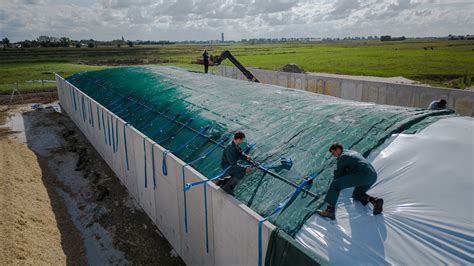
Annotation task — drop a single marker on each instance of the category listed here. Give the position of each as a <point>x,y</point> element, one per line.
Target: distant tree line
<point>388,38</point>
<point>49,41</point>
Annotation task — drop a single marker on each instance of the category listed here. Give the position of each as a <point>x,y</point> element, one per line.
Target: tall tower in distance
<point>222,37</point>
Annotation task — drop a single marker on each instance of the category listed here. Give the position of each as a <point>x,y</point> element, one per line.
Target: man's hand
<point>249,158</point>
<point>248,170</point>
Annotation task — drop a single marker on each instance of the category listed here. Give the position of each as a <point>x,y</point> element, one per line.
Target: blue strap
<point>91,117</point>
<point>201,157</point>
<point>144,160</point>
<point>128,113</point>
<point>74,97</point>
<point>132,104</point>
<point>98,117</point>
<point>150,123</point>
<point>118,107</point>
<point>153,165</point>
<point>170,122</point>
<point>125,144</point>
<point>115,148</point>
<point>205,218</point>
<point>108,129</point>
<point>164,167</point>
<point>186,144</point>
<point>280,208</point>
<point>260,223</point>
<point>188,186</point>
<point>177,132</point>
<point>113,137</point>
<point>103,124</point>
<point>83,108</point>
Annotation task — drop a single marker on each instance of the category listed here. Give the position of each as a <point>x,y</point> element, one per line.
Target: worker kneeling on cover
<point>232,154</point>
<point>352,170</point>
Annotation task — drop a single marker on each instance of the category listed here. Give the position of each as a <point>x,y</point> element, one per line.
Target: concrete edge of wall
<point>204,225</point>
<point>419,96</point>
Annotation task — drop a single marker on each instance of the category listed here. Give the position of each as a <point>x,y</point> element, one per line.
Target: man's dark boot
<point>327,213</point>
<point>378,204</point>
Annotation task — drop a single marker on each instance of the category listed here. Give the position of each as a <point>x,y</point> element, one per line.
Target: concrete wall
<point>462,102</point>
<point>232,227</point>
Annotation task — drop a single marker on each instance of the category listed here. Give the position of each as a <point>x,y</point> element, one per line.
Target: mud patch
<point>98,221</point>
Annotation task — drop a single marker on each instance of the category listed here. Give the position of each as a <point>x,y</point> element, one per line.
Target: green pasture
<point>439,63</point>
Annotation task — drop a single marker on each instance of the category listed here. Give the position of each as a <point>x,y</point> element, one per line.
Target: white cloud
<point>206,19</point>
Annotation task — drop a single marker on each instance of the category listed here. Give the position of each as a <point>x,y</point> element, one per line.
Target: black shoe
<point>327,213</point>
<point>378,206</point>
<point>363,202</point>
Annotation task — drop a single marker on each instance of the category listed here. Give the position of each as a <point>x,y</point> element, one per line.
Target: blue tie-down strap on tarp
<point>116,145</point>
<point>103,126</point>
<point>135,106</point>
<point>125,144</point>
<point>188,186</point>
<point>113,137</point>
<point>164,167</point>
<point>140,125</point>
<point>144,160</point>
<point>91,117</point>
<point>108,129</point>
<point>288,200</point>
<point>74,97</point>
<point>185,125</point>
<point>153,164</point>
<point>83,108</point>
<point>201,157</point>
<point>165,126</point>
<point>98,116</point>
<point>221,174</point>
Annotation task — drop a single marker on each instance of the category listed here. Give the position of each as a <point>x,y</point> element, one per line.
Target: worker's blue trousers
<point>361,181</point>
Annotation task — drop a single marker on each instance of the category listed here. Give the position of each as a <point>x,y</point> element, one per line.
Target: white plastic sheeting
<point>231,235</point>
<point>427,182</point>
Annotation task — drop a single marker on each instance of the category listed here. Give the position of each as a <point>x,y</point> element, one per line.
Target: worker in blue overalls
<point>231,155</point>
<point>352,170</point>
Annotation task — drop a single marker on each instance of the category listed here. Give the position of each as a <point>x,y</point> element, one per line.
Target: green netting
<point>284,250</point>
<point>280,121</point>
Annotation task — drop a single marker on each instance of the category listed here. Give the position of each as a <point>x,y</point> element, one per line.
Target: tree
<point>6,42</point>
<point>90,45</point>
<point>130,44</point>
<point>65,42</point>
<point>26,44</point>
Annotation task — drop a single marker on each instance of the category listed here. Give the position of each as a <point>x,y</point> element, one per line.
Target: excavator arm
<point>227,55</point>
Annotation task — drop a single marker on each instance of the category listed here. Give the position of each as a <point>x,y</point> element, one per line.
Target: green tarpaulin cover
<point>163,102</point>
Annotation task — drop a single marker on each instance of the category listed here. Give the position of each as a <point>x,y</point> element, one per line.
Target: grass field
<point>448,64</point>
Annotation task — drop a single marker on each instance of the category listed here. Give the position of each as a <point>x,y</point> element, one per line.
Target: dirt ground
<point>61,204</point>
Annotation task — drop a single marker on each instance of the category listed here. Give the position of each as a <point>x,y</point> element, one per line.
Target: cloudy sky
<point>206,19</point>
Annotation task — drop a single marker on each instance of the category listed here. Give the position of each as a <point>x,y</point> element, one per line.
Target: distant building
<point>222,37</point>
<point>123,39</point>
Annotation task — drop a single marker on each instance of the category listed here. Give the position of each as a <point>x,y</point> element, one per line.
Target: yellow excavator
<point>217,59</point>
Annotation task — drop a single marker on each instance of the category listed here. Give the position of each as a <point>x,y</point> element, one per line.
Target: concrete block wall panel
<point>404,97</point>
<point>166,199</point>
<point>195,247</point>
<point>461,101</point>
<point>94,127</point>
<point>142,163</point>
<point>232,227</point>
<point>130,172</point>
<point>230,242</point>
<point>118,158</point>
